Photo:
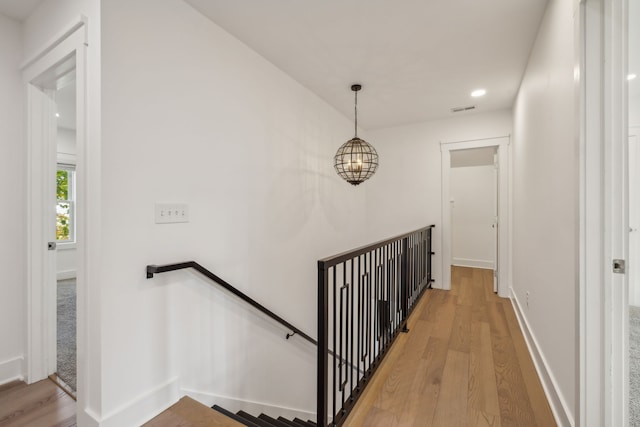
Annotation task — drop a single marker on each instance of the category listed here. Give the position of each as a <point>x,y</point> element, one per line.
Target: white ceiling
<point>416,59</point>
<point>18,9</point>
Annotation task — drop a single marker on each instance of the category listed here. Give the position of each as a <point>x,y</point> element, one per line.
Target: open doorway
<point>496,150</point>
<point>52,119</point>
<point>65,222</point>
<point>474,209</point>
<point>55,85</point>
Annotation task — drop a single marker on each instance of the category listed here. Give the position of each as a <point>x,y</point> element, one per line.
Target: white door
<point>42,230</point>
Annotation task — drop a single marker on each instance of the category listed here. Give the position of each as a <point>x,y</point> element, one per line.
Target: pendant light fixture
<point>356,160</point>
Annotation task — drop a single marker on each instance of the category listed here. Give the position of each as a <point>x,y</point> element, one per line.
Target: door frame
<point>634,132</point>
<point>502,144</point>
<point>53,61</point>
<point>601,53</point>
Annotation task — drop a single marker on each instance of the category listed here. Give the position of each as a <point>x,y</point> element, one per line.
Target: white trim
<point>66,274</point>
<point>234,405</point>
<point>11,370</point>
<point>474,263</point>
<point>559,407</point>
<point>141,409</point>
<point>601,34</point>
<point>504,167</point>
<point>71,28</point>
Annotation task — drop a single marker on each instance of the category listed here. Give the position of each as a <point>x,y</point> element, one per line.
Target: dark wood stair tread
<point>289,423</point>
<point>256,420</point>
<point>234,416</point>
<point>276,423</point>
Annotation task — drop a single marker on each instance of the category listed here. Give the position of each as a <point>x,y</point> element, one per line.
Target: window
<point>65,203</point>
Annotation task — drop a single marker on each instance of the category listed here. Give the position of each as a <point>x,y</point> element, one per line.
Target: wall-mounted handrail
<point>154,269</point>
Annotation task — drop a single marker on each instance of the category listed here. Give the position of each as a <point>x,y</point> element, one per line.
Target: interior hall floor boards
<point>41,404</point>
<point>464,362</point>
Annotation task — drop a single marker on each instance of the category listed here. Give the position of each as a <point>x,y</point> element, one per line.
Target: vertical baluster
<point>352,300</point>
<point>404,280</point>
<point>416,264</point>
<point>360,325</point>
<point>387,276</point>
<point>347,330</point>
<point>341,332</point>
<point>430,250</point>
<point>370,312</point>
<point>394,263</point>
<point>323,344</point>
<point>426,256</point>
<point>394,294</point>
<point>376,298</point>
<point>335,334</point>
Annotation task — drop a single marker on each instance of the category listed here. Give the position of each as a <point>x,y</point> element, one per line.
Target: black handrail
<point>153,269</point>
<point>344,256</point>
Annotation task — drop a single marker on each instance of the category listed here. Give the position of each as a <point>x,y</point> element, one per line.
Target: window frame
<point>71,201</point>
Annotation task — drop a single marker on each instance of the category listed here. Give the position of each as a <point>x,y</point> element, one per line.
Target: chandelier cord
<point>355,108</point>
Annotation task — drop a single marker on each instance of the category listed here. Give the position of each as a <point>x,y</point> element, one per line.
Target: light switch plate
<point>168,213</point>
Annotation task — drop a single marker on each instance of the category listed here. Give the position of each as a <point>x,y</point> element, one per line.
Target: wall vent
<point>460,109</point>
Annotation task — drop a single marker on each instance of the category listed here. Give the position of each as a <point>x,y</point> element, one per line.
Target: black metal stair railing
<point>365,297</point>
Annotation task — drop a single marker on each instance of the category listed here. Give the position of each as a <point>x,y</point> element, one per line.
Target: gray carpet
<point>634,366</point>
<point>66,368</point>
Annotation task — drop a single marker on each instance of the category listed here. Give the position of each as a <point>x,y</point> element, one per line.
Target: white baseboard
<point>254,408</point>
<point>141,409</point>
<point>559,407</point>
<point>11,370</point>
<point>474,263</point>
<point>67,274</point>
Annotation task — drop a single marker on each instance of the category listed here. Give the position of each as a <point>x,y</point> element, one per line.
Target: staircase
<point>365,297</point>
<point>263,420</point>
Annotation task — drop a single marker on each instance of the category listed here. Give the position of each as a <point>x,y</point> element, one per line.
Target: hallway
<point>463,363</point>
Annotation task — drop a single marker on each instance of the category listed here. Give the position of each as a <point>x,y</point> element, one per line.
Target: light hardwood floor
<point>463,363</point>
<point>41,404</point>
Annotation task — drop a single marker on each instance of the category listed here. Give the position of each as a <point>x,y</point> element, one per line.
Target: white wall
<point>66,142</point>
<point>13,213</point>
<point>473,194</point>
<point>192,115</point>
<point>545,200</point>
<point>405,193</point>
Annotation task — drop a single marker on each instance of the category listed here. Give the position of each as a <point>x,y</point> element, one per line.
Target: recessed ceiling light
<point>478,92</point>
<point>631,76</point>
<point>57,114</point>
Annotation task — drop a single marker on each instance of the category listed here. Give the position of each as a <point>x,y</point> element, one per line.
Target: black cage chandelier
<point>356,160</point>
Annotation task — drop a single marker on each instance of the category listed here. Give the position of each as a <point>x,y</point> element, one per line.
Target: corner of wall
<point>139,410</point>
